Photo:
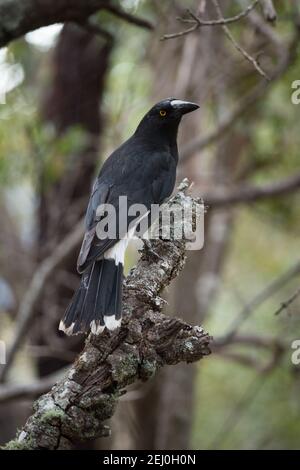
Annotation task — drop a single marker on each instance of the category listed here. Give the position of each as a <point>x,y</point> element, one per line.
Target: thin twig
<point>238,46</point>
<point>198,22</point>
<point>181,33</point>
<point>284,305</point>
<point>260,298</point>
<point>286,56</point>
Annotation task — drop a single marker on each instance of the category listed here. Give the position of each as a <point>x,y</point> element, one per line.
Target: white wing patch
<point>117,252</point>
<point>96,328</point>
<point>66,330</point>
<point>111,323</point>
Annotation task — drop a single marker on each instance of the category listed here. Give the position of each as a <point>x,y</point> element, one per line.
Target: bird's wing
<point>142,180</point>
<point>99,196</point>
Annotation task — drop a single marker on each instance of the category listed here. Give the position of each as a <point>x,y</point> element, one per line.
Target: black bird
<point>144,170</point>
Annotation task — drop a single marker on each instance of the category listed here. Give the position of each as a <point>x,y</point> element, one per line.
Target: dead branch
<point>198,22</point>
<point>238,47</point>
<point>286,56</point>
<point>285,305</point>
<point>76,407</point>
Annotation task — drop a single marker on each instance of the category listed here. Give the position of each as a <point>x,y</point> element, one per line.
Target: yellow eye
<point>162,112</point>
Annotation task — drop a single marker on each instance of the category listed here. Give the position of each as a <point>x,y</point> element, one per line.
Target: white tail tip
<point>67,330</point>
<point>111,323</point>
<point>96,328</point>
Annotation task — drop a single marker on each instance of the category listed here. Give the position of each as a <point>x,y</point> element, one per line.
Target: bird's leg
<point>149,249</point>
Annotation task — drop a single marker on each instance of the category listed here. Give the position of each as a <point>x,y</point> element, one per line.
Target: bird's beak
<point>184,107</point>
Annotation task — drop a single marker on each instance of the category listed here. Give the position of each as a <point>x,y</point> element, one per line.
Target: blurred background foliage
<point>236,405</point>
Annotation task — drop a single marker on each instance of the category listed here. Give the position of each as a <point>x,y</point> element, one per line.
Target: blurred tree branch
<point>278,283</point>
<point>275,346</point>
<point>18,17</point>
<point>76,407</point>
<point>31,390</point>
<point>248,194</point>
<point>285,305</point>
<point>35,289</point>
<point>269,11</point>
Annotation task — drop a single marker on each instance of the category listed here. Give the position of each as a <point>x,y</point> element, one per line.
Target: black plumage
<point>144,170</point>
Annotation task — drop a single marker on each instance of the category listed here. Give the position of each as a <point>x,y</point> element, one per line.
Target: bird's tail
<point>98,301</point>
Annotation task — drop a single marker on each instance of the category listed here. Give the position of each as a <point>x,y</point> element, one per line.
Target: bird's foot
<point>150,251</point>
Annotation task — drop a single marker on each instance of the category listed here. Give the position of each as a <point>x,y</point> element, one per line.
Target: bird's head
<point>164,117</point>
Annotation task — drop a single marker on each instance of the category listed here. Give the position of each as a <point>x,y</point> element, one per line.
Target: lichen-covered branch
<point>77,406</point>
